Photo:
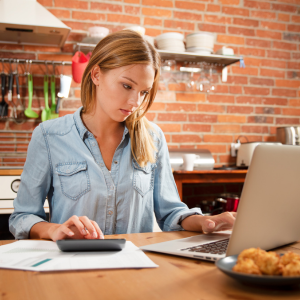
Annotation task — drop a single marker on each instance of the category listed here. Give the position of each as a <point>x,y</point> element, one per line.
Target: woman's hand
<point>76,228</point>
<point>207,224</point>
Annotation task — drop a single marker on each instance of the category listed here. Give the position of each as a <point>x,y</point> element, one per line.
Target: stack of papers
<point>46,256</point>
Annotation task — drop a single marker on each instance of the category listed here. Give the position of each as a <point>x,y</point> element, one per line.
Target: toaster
<point>245,152</point>
<point>289,135</point>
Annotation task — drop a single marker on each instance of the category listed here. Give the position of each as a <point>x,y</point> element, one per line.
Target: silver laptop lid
<point>269,209</point>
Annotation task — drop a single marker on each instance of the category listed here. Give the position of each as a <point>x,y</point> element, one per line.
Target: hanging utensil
<point>46,111</point>
<point>53,100</point>
<point>20,107</point>
<point>10,90</point>
<point>3,104</point>
<point>29,113</point>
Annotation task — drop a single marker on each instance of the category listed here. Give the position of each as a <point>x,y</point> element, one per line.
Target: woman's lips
<point>126,112</point>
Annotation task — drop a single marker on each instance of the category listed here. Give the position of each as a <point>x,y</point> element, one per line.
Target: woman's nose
<point>135,100</point>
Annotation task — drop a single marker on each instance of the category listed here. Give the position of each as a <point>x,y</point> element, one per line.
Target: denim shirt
<point>64,163</point>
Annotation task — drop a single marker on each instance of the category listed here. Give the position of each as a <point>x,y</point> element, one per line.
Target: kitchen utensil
<point>65,84</point>
<point>228,202</point>
<point>29,113</point>
<point>3,104</point>
<point>9,95</point>
<point>289,135</point>
<point>46,111</point>
<point>188,161</point>
<point>20,106</point>
<point>79,63</point>
<point>200,41</point>
<point>53,100</point>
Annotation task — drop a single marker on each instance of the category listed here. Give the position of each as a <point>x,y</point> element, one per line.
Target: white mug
<point>65,85</point>
<point>188,161</point>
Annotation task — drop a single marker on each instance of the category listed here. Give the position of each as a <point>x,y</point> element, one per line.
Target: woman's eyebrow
<point>133,81</point>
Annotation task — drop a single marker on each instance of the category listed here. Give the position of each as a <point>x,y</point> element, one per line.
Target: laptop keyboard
<point>218,247</point>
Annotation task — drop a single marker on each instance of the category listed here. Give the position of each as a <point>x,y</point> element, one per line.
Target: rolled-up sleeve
<point>34,187</point>
<point>168,208</point>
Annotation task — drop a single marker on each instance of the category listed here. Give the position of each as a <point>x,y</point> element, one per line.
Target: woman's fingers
<point>100,233</point>
<point>74,220</point>
<point>218,222</point>
<point>92,232</point>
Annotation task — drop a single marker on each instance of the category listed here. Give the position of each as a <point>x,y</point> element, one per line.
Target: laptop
<point>268,212</point>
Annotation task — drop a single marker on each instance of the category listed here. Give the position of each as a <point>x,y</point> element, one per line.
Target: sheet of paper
<point>45,256</point>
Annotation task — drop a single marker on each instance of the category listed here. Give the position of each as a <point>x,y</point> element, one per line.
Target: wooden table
<point>175,278</point>
<point>213,176</point>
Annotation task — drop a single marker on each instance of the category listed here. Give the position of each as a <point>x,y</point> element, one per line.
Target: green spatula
<point>46,111</point>
<point>53,115</point>
<point>29,113</point>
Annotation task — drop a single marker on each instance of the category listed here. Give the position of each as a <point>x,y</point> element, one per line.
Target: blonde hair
<point>116,50</point>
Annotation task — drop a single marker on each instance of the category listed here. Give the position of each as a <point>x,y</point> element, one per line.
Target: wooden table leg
<point>179,187</point>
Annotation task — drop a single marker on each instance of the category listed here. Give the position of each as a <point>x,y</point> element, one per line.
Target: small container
<point>229,202</point>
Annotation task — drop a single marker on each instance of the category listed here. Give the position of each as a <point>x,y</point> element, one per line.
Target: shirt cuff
<point>191,212</point>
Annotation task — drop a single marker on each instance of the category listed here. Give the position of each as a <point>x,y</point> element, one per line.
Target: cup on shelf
<point>188,161</point>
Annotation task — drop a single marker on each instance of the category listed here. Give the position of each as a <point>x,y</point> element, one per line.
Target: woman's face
<point>119,92</point>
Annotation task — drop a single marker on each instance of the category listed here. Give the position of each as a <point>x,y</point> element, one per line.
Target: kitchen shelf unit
<point>220,60</point>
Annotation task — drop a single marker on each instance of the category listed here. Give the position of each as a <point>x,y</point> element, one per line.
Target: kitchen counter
<point>176,278</point>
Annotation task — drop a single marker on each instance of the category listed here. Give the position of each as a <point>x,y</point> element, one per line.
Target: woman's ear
<point>95,75</point>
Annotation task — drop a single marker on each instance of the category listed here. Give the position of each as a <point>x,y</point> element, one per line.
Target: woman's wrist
<point>43,230</point>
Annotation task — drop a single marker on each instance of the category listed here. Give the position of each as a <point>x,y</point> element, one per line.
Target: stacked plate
<point>200,42</point>
<point>170,41</point>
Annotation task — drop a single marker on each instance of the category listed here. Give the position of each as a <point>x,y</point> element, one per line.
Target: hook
<point>46,64</point>
<point>2,66</point>
<point>27,67</point>
<point>16,61</point>
<point>10,63</point>
<point>62,69</point>
<point>53,68</point>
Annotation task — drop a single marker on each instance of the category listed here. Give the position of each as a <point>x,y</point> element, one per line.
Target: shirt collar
<point>82,130</point>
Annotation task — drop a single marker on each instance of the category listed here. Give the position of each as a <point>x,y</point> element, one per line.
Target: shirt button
<point>115,162</point>
<point>110,212</point>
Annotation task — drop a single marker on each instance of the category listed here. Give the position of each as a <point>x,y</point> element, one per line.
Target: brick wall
<point>253,102</point>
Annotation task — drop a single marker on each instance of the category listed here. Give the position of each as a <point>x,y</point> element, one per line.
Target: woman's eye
<point>126,86</point>
<point>145,93</point>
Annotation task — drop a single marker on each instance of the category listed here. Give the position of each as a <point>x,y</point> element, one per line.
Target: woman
<point>105,169</point>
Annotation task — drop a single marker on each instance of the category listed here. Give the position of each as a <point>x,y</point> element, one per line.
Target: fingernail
<point>71,233</point>
<point>95,234</point>
<point>83,231</point>
<point>211,225</point>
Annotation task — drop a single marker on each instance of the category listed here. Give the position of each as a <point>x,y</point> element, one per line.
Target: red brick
<point>131,1</point>
<point>212,28</point>
<point>162,3</point>
<point>296,19</point>
<point>213,8</point>
<point>245,71</point>
<point>156,12</point>
<point>177,86</point>
<point>106,7</point>
<point>150,116</point>
<point>45,2</point>
<point>284,7</point>
<point>226,159</point>
<point>237,79</point>
<point>274,101</point>
<point>170,127</point>
<point>294,28</point>
<point>227,128</point>
<point>79,25</point>
<point>269,34</point>
<point>190,97</point>
<point>256,91</point>
<point>287,121</point>
<point>157,106</point>
<point>40,49</point>
<point>283,17</point>
<point>278,54</point>
<point>273,25</point>
<point>273,63</point>
<point>235,90</point>
<point>273,129</point>
<point>11,47</point>
<point>235,11</point>
<point>213,148</point>
<point>239,109</point>
<point>187,16</point>
<point>71,4</point>
<point>270,138</point>
<point>255,129</point>
<point>60,13</point>
<point>220,98</point>
<point>292,37</point>
<point>268,110</point>
<point>217,19</point>
<point>257,4</point>
<point>190,5</point>
<point>294,102</point>
<point>261,81</point>
<point>252,51</point>
<point>168,138</point>
<point>56,57</point>
<point>186,138</point>
<point>231,119</point>
<point>79,15</point>
<point>202,118</point>
<point>260,119</point>
<point>211,108</point>
<point>293,74</point>
<point>152,22</point>
<point>132,10</point>
<point>263,15</point>
<point>241,31</point>
<point>152,31</point>
<point>196,127</point>
<point>284,92</point>
<point>171,117</point>
<point>288,83</point>
<point>246,22</point>
<point>230,2</point>
<point>180,107</point>
<point>71,104</point>
<point>272,73</point>
<point>217,138</point>
<point>258,43</point>
<point>220,88</point>
<point>293,65</point>
<point>179,25</point>
<point>66,112</point>
<point>123,19</point>
<point>228,39</point>
<point>291,111</point>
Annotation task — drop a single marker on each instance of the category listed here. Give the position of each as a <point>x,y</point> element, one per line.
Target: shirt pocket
<point>143,177</point>
<point>74,179</point>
